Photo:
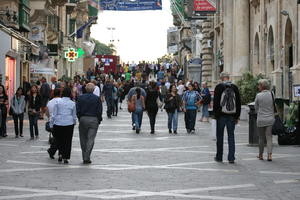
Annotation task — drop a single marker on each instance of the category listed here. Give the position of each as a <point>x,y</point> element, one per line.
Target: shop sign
<point>297,91</point>
<point>205,5</point>
<point>71,55</point>
<point>132,5</point>
<point>35,69</point>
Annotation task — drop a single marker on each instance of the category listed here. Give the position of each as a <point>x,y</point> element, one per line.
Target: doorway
<point>10,76</point>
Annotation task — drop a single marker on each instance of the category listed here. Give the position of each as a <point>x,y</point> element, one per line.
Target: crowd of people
<point>80,99</point>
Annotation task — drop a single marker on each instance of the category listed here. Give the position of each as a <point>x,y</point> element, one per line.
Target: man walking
<point>227,109</point>
<point>89,113</point>
<point>108,90</point>
<point>45,94</point>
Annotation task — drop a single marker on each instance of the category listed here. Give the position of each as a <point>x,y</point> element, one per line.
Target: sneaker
<point>192,131</point>
<point>66,161</point>
<point>217,160</point>
<point>188,130</point>
<point>175,132</point>
<point>231,161</point>
<point>17,136</point>
<point>50,155</point>
<point>37,137</point>
<point>137,131</point>
<point>60,158</point>
<point>170,131</point>
<point>133,127</point>
<point>87,162</point>
<point>21,135</point>
<point>32,138</point>
<point>152,132</point>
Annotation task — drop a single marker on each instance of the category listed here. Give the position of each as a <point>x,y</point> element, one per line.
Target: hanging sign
<point>205,5</point>
<point>131,5</point>
<point>71,54</point>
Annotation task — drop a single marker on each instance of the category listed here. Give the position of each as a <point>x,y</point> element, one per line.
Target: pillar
<point>241,48</point>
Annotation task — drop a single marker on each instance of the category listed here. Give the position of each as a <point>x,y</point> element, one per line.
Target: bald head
<point>90,87</point>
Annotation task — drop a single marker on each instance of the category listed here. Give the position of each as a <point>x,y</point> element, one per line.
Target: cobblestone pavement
<point>153,167</point>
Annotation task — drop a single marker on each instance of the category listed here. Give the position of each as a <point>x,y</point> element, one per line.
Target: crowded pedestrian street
<point>159,166</point>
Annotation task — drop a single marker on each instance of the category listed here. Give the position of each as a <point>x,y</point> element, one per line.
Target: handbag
<point>131,106</point>
<point>11,111</point>
<point>47,127</point>
<point>159,103</point>
<point>277,128</point>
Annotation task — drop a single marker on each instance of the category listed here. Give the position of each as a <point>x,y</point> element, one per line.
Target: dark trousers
<point>33,124</point>
<point>53,145</point>
<point>152,118</point>
<point>229,122</point>
<point>64,136</point>
<point>18,122</point>
<point>109,103</point>
<point>190,119</point>
<point>3,125</point>
<point>115,107</point>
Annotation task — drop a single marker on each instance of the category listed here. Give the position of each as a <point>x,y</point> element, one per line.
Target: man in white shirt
<point>180,88</point>
<point>97,89</point>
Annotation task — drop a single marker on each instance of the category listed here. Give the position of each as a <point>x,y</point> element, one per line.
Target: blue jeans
<point>110,103</point>
<point>190,119</point>
<point>137,118</point>
<point>173,119</point>
<point>33,124</point>
<point>229,122</point>
<point>205,112</point>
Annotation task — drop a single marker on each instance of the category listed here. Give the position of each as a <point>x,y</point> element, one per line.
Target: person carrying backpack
<point>227,110</point>
<point>191,100</point>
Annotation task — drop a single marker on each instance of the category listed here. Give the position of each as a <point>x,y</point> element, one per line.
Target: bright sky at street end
<point>138,35</point>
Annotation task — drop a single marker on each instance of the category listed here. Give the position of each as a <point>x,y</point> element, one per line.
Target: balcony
<point>24,12</point>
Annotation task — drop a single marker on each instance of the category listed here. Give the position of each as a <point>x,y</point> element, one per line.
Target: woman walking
<point>151,104</point>
<point>3,111</point>
<point>206,99</point>
<point>34,107</point>
<point>139,102</point>
<point>173,103</point>
<point>62,121</point>
<point>17,106</point>
<point>264,106</point>
<point>191,100</point>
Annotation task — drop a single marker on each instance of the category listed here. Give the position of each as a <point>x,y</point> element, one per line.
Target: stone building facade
<point>261,37</point>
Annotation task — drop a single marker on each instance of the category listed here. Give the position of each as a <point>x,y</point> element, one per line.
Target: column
<point>228,36</point>
<point>241,48</point>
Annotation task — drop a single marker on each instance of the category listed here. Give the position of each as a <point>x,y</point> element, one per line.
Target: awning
<point>17,35</point>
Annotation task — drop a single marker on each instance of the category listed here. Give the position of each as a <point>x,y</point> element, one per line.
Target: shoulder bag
<point>131,105</point>
<point>277,128</point>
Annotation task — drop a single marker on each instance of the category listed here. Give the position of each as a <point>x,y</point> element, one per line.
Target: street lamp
<point>112,29</point>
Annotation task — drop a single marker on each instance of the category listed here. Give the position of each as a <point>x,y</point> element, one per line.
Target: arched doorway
<point>255,65</point>
<point>270,51</point>
<point>288,41</point>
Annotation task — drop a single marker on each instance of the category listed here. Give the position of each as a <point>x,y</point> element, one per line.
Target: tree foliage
<point>248,86</point>
<point>102,49</point>
<point>166,58</point>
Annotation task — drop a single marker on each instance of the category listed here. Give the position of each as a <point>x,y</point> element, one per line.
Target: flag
<point>94,4</point>
<point>79,31</point>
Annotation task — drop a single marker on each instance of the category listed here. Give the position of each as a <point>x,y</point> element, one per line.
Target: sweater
<point>217,108</point>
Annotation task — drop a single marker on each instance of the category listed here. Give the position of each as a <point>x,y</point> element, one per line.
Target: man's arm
<point>238,102</point>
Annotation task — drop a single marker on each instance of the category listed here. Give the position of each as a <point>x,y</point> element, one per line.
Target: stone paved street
<point>153,167</point>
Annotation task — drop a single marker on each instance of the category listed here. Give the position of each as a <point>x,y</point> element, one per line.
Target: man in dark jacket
<point>89,113</point>
<point>227,110</point>
<point>45,92</point>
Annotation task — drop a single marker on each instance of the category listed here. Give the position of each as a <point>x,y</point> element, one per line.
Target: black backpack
<point>228,100</point>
